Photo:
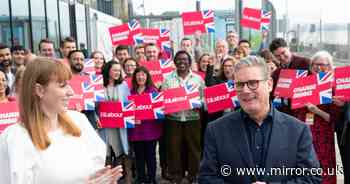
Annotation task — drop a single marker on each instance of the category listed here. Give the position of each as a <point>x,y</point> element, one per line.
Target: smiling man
<point>184,126</point>
<point>257,137</point>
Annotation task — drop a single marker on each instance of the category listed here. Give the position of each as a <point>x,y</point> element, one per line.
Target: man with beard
<point>76,62</point>
<point>6,64</point>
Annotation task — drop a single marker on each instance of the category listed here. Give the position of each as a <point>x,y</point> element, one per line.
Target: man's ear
<point>270,84</point>
<point>39,90</point>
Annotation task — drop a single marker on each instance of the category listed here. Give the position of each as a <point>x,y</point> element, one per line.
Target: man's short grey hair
<point>220,41</point>
<point>253,61</point>
<point>322,55</point>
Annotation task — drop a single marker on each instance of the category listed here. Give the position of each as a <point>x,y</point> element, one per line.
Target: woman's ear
<point>39,90</point>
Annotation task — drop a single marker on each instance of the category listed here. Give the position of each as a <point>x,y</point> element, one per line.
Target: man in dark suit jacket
<point>258,137</point>
<point>288,60</point>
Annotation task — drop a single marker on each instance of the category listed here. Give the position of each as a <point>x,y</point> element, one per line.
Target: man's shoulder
<point>225,122</point>
<point>289,121</point>
<point>300,60</point>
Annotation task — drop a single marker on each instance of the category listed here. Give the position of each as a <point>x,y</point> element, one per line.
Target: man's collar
<point>269,115</point>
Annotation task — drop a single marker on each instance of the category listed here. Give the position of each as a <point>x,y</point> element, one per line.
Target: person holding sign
<point>257,137</point>
<point>51,144</point>
<point>145,135</point>
<point>184,126</point>
<point>321,119</point>
<point>116,89</point>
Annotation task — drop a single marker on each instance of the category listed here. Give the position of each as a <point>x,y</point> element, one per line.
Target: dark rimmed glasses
<point>251,84</point>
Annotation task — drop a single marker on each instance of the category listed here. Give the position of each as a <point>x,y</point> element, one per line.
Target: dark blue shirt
<point>258,138</point>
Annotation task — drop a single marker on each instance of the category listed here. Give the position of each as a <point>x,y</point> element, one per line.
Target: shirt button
<point>258,129</point>
<point>258,147</point>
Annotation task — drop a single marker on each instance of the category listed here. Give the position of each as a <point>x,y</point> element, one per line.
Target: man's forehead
<point>5,50</point>
<point>248,73</point>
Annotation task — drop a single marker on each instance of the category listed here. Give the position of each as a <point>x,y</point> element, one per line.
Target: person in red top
<point>287,60</point>
<point>321,119</point>
<point>145,135</point>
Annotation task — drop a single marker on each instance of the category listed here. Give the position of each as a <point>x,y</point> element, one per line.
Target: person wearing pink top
<point>145,135</point>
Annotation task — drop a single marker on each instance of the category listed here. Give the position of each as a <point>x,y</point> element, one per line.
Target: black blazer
<point>226,144</point>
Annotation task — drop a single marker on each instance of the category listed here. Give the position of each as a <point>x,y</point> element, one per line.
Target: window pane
<point>52,19</point>
<point>20,14</point>
<point>64,17</point>
<point>5,33</point>
<point>38,22</point>
<point>80,19</point>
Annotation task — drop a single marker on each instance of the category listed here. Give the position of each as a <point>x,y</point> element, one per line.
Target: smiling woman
<point>60,146</point>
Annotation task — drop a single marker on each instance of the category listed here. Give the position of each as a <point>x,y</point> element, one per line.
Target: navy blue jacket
<point>226,145</point>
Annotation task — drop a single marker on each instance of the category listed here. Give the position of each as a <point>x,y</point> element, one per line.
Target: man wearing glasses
<point>258,138</point>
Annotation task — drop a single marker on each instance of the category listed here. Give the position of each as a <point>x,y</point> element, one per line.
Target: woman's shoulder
<point>78,118</point>
<point>14,132</point>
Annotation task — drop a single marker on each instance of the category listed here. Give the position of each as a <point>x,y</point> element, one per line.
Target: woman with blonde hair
<point>50,144</point>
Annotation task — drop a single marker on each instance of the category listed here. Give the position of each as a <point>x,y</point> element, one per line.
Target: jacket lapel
<point>240,136</point>
<point>277,140</point>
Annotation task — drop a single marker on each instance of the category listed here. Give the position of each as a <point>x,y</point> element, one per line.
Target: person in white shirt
<point>50,144</point>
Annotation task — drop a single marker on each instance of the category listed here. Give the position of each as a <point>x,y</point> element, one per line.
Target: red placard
<point>125,34</point>
<point>148,106</point>
<point>202,21</point>
<point>154,69</point>
<point>220,97</point>
<point>78,97</point>
<point>111,114</point>
<point>9,114</point>
<point>251,18</point>
<point>342,83</point>
<point>285,80</point>
<point>115,114</point>
<point>314,89</point>
<point>150,35</point>
<point>181,98</point>
<point>175,100</point>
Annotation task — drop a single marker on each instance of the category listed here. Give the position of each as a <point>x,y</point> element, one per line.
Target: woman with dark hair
<point>270,60</point>
<point>4,89</point>
<point>99,60</point>
<point>145,135</point>
<point>116,89</point>
<point>129,67</point>
<point>225,73</point>
<point>203,63</point>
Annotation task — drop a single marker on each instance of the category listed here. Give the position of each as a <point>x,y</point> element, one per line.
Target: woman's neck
<point>111,82</point>
<point>51,118</point>
<point>3,99</point>
<point>141,89</point>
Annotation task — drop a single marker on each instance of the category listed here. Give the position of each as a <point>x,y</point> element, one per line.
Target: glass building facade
<point>26,22</point>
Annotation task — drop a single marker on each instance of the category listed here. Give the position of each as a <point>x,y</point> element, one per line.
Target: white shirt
<point>68,159</point>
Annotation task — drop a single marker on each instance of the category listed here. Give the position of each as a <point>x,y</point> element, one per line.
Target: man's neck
<point>7,69</point>
<point>259,118</point>
<point>183,74</point>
